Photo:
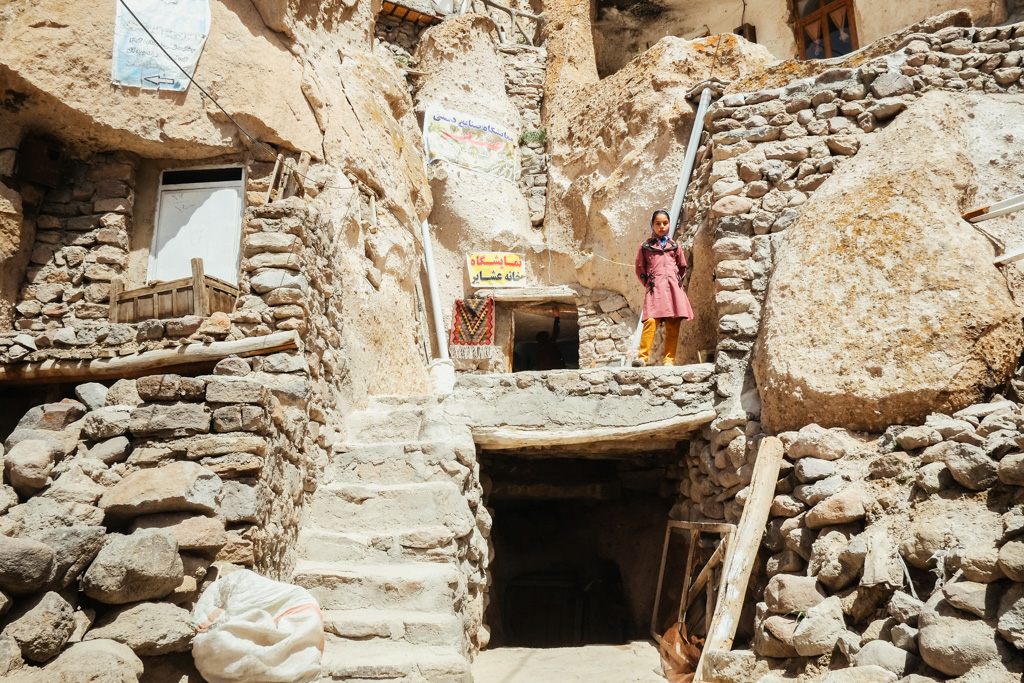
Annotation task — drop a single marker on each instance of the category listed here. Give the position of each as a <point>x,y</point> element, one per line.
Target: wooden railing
<point>198,295</point>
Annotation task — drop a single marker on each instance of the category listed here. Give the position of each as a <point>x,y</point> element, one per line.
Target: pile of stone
<point>892,555</point>
<point>118,508</point>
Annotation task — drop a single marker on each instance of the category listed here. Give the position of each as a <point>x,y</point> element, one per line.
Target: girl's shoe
<point>639,362</point>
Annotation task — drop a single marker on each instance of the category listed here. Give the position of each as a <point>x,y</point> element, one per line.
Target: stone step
<point>394,463</point>
<point>419,586</point>
<point>384,424</point>
<point>424,544</point>
<point>382,660</point>
<point>389,509</point>
<point>415,628</point>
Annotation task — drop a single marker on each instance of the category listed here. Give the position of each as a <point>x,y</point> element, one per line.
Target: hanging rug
<point>473,322</point>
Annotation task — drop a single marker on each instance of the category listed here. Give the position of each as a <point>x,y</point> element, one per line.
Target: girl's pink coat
<point>665,268</point>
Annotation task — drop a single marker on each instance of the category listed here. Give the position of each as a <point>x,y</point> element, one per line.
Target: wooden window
<point>825,29</point>
<point>199,215</point>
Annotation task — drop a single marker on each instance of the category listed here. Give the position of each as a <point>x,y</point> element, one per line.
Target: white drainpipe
<point>435,300</point>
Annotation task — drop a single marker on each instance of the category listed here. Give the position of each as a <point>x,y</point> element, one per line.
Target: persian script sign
<point>470,141</point>
<point>495,269</point>
<point>180,26</point>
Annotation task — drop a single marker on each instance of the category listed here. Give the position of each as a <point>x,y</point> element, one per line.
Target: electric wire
<point>203,90</point>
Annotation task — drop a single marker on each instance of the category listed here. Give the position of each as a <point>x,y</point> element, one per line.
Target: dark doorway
<point>577,547</point>
<point>536,346</point>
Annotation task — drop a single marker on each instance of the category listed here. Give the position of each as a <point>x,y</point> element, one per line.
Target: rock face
<point>464,73</point>
<point>833,352</point>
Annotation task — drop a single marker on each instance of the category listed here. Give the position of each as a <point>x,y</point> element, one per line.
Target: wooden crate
<point>197,295</point>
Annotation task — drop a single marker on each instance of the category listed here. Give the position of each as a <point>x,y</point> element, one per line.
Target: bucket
<point>442,376</point>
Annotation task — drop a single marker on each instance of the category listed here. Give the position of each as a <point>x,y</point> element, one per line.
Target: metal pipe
<point>435,300</point>
<point>688,161</point>
<point>680,196</point>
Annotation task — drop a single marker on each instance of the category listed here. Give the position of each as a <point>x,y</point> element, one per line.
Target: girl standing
<point>661,266</point>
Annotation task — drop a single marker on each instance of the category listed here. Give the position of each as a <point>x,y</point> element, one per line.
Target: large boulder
<point>953,644</point>
<point>148,628</point>
<point>884,305</point>
<point>179,486</point>
<point>142,566</point>
<point>25,565</point>
<point>95,661</point>
<point>41,626</point>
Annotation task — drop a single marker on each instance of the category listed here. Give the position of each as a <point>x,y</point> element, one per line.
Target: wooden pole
<point>200,306</point>
<point>145,363</point>
<point>739,559</point>
<point>116,287</point>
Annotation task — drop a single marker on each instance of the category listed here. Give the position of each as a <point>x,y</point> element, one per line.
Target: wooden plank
<point>116,286</point>
<point>1010,257</point>
<point>273,177</point>
<point>146,363</point>
<point>743,549</point>
<point>705,573</point>
<point>294,182</point>
<point>199,303</point>
<point>683,604</point>
<point>504,438</point>
<point>661,580</point>
<point>529,294</point>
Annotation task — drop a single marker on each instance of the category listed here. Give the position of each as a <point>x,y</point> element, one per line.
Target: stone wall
<point>143,493</point>
<point>398,36</point>
<point>902,551</point>
<point>81,244</point>
<point>581,399</point>
<point>606,325</point>
<point>767,152</point>
<point>524,82</point>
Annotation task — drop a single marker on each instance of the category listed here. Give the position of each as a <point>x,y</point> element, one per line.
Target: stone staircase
<point>390,547</point>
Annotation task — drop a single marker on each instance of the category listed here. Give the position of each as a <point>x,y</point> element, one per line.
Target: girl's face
<point>660,226</point>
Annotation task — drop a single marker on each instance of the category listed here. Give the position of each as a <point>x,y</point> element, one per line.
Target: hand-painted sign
<point>180,26</point>
<point>470,141</point>
<point>495,269</point>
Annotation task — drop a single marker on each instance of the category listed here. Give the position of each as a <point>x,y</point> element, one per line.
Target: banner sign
<point>180,26</point>
<point>495,269</point>
<point>470,141</point>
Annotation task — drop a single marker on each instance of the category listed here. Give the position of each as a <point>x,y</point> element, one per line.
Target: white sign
<point>470,141</point>
<point>180,26</point>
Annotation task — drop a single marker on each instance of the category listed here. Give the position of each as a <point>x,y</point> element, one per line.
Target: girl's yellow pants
<point>671,338</point>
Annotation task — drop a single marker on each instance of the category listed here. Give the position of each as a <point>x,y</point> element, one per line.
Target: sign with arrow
<point>181,27</point>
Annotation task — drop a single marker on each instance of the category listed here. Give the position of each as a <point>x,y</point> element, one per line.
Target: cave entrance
<point>577,547</point>
<point>538,344</point>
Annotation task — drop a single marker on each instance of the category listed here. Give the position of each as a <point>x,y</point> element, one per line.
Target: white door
<point>201,220</point>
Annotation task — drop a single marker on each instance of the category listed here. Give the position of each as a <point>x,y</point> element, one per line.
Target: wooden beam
<point>742,550</point>
<point>506,490</point>
<point>504,438</point>
<point>529,294</point>
<point>145,363</point>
